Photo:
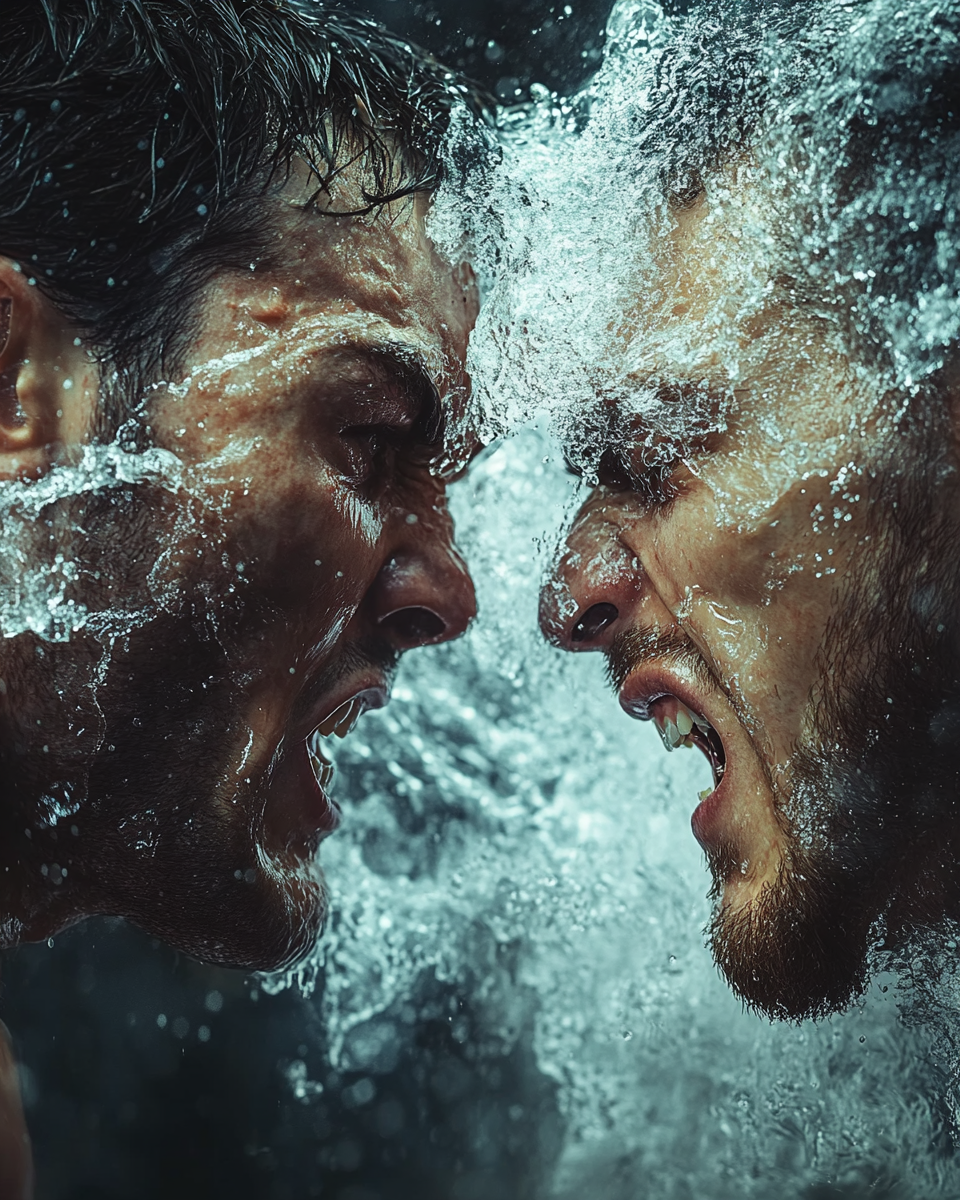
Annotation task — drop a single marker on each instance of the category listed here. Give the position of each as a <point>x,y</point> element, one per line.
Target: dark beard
<point>793,951</point>
<point>161,830</point>
<point>870,821</point>
<point>871,815</point>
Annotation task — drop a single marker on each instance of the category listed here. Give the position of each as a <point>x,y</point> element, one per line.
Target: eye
<point>613,471</point>
<point>372,449</point>
<point>379,450</point>
<point>624,470</point>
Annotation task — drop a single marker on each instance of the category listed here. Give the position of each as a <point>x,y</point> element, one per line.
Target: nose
<point>595,589</point>
<point>423,594</point>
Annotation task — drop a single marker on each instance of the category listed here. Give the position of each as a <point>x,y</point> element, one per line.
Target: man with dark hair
<point>775,582</point>
<point>228,356</point>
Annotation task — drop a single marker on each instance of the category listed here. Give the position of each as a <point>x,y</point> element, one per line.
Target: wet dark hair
<point>137,138</point>
<point>710,86</point>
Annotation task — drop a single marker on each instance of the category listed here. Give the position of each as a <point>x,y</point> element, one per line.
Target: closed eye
<point>651,481</point>
<point>621,470</point>
<point>393,418</point>
<point>387,446</point>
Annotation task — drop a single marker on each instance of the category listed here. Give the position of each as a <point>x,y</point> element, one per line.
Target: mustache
<point>635,647</point>
<point>369,652</point>
<point>355,657</point>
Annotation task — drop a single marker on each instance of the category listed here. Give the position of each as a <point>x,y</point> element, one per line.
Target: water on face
<point>513,835</point>
<point>509,831</point>
<point>519,837</point>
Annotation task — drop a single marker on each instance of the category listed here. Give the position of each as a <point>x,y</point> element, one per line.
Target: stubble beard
<point>868,822</point>
<point>162,836</point>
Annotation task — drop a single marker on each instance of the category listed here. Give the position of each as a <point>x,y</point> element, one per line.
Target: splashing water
<point>524,841</point>
<point>569,225</point>
<point>34,597</point>
<point>519,838</point>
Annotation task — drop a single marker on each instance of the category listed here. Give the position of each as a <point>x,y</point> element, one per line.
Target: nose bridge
<point>423,592</point>
<point>596,586</point>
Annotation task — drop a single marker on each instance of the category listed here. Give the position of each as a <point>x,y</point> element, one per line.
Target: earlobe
<point>44,378</point>
<point>12,416</point>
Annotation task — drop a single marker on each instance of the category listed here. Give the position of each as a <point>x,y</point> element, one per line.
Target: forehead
<point>719,308</point>
<point>335,300</point>
<point>375,278</point>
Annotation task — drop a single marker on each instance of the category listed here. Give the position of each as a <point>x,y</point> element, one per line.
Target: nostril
<point>593,622</point>
<point>414,625</point>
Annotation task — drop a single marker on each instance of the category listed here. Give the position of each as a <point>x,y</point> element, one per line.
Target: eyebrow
<point>405,366</point>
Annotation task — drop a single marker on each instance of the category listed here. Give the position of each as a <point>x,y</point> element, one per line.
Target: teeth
<point>349,719</point>
<point>342,720</point>
<point>322,769</point>
<point>671,735</point>
<point>678,732</point>
<point>681,728</point>
<point>330,724</point>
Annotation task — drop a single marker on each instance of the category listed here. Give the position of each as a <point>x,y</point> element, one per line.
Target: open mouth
<point>301,812</point>
<point>678,725</point>
<point>338,724</point>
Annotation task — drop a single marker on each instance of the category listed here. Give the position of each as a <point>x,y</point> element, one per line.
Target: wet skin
<point>731,578</point>
<point>299,542</point>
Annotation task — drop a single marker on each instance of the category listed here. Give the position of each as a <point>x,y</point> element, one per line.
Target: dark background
<point>505,44</point>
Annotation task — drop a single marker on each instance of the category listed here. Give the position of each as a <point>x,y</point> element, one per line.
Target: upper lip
<point>348,700</point>
<point>645,686</point>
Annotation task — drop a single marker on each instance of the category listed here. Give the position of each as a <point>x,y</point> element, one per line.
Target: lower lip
<point>299,814</point>
<point>706,818</point>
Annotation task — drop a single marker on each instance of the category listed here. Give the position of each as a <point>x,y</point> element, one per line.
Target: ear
<point>48,384</point>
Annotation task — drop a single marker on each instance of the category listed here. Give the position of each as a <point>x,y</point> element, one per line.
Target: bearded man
<point>228,354</point>
<point>776,581</point>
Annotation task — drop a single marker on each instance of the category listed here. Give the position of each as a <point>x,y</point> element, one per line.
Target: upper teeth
<point>321,768</point>
<point>679,731</point>
<point>340,722</point>
<point>343,719</point>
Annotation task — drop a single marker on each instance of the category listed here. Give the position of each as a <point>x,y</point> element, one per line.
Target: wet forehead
<point>382,265</point>
<point>329,283</point>
<point>722,312</point>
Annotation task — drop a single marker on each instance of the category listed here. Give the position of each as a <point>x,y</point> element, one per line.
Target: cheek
<point>286,552</point>
<point>692,556</point>
<point>757,593</point>
<point>745,546</point>
<point>286,511</point>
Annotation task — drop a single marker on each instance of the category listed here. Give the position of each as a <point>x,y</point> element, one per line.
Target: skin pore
<point>276,537</point>
<point>777,592</point>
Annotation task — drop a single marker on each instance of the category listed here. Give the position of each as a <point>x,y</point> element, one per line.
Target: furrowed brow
<point>403,366</point>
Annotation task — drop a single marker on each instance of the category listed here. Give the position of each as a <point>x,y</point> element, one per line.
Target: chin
<point>791,951</point>
<point>268,920</point>
<point>269,923</point>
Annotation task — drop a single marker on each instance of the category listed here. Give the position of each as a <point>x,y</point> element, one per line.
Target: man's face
<point>776,595</point>
<point>293,541</point>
